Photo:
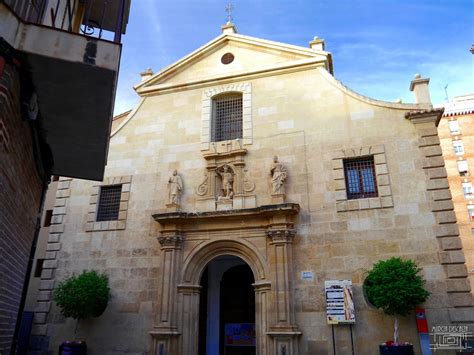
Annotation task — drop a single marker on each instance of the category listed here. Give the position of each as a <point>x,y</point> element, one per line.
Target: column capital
<point>281,235</point>
<point>170,241</point>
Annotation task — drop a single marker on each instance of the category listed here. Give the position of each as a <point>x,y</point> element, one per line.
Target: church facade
<point>245,178</point>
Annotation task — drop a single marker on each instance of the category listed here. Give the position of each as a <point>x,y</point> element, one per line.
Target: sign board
<point>240,334</point>
<point>339,302</point>
<point>307,275</point>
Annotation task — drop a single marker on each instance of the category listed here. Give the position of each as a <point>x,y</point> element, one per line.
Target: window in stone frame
<point>109,203</point>
<point>454,127</point>
<point>226,120</point>
<point>360,178</point>
<point>458,147</point>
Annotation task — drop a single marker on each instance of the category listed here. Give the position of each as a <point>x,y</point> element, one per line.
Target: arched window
<point>226,117</point>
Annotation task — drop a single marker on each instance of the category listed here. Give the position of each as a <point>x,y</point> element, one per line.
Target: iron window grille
<point>109,203</point>
<point>360,178</point>
<point>226,117</point>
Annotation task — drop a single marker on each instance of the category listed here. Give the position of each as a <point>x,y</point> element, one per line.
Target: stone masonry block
<point>40,318</point>
<point>337,164</point>
<point>44,296</point>
<point>54,238</point>
<point>340,185</point>
<point>47,274</point>
<point>65,184</point>
<point>63,193</point>
<point>380,159</point>
<point>451,257</point>
<point>341,206</point>
<point>445,217</point>
<point>53,246</point>
<point>427,131</point>
<point>431,151</point>
<point>451,243</point>
<point>340,195</point>
<point>446,230</point>
<point>385,191</point>
<point>57,219</point>
<point>50,264</point>
<point>381,169</point>
<point>458,285</point>
<point>436,173</point>
<point>59,210</point>
<point>445,205</point>
<point>439,195</point>
<point>375,202</point>
<point>456,270</point>
<point>386,201</point>
<point>124,196</point>
<point>383,180</point>
<point>377,149</point>
<point>338,174</point>
<point>433,162</point>
<point>437,184</point>
<point>60,202</point>
<point>427,141</point>
<point>43,307</point>
<point>460,299</point>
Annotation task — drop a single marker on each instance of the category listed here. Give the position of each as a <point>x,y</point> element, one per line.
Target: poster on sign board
<point>339,302</point>
<point>240,334</point>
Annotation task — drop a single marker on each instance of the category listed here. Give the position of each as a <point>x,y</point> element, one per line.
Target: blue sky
<point>377,45</point>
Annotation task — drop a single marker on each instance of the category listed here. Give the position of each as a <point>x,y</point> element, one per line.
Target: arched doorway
<point>227,308</point>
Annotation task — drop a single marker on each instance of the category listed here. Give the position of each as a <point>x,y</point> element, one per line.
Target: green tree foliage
<point>83,296</point>
<point>395,286</point>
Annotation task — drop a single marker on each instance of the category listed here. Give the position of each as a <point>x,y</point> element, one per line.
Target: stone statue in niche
<point>279,175</point>
<point>175,187</point>
<point>227,177</point>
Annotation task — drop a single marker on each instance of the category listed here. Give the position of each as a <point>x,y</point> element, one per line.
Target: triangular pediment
<point>250,55</point>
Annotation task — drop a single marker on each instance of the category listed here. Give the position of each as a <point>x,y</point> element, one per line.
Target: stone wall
<point>20,198</point>
<point>311,123</point>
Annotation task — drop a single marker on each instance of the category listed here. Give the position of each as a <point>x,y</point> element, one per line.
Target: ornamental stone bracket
<point>170,241</point>
<point>226,183</point>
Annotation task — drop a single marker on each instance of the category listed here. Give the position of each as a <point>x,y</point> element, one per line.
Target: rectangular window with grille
<point>109,203</point>
<point>360,178</point>
<point>226,117</point>
<point>458,147</point>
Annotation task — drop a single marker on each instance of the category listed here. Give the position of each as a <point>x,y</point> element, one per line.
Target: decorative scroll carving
<point>170,240</point>
<point>281,235</point>
<point>248,185</point>
<point>203,186</point>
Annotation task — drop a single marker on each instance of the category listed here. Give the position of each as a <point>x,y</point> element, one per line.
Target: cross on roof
<point>229,8</point>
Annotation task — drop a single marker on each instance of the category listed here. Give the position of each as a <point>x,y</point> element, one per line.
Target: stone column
<point>165,330</point>
<point>262,301</point>
<point>188,299</point>
<point>446,230</point>
<point>284,331</point>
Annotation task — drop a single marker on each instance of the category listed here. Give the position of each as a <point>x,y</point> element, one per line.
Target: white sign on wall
<point>307,275</point>
<point>339,302</point>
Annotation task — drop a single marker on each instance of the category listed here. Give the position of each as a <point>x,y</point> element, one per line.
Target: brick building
<point>456,132</point>
<point>49,124</point>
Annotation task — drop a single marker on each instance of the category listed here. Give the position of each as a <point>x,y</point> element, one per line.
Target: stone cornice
<point>423,116</point>
<point>213,216</point>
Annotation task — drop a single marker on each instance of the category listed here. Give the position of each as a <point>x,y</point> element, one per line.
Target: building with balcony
<point>245,178</point>
<point>456,133</point>
<point>59,63</point>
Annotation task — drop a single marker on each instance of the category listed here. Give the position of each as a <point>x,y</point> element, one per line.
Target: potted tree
<point>396,287</point>
<point>81,297</point>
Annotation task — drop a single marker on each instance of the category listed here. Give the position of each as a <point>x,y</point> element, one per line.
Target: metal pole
<point>118,25</point>
<point>333,340</point>
<point>352,339</point>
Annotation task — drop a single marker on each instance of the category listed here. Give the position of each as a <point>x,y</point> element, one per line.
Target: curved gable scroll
<point>206,111</point>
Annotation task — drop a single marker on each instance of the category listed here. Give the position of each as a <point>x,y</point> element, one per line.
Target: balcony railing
<point>103,19</point>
